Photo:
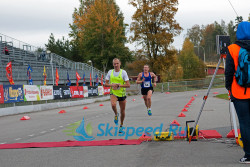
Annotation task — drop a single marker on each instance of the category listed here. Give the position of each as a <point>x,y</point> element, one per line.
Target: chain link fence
<point>183,85</point>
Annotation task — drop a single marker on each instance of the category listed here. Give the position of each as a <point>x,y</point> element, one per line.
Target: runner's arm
<point>139,81</point>
<point>126,85</point>
<point>154,78</point>
<point>110,85</point>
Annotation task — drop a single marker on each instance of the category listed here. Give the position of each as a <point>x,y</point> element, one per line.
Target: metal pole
<point>162,87</point>
<point>232,109</point>
<point>52,68</point>
<point>204,99</point>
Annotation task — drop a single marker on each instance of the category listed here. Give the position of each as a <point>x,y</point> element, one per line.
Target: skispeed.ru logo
<point>80,133</point>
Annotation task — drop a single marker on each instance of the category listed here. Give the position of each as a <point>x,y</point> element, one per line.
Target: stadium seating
<point>21,55</point>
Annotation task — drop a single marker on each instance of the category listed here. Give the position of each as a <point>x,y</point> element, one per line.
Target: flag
<point>96,80</point>
<point>9,73</point>
<point>57,77</point>
<point>44,75</point>
<point>102,80</point>
<point>84,79</point>
<point>29,70</point>
<point>68,80</point>
<point>77,78</point>
<point>90,80</point>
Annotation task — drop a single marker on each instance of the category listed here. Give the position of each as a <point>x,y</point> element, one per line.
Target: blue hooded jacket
<point>243,31</point>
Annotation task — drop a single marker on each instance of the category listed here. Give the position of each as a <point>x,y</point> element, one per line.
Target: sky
<point>32,21</point>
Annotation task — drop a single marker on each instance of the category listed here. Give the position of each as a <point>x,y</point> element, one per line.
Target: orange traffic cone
<point>25,118</point>
<point>85,108</point>
<point>62,112</point>
<point>181,115</point>
<point>101,105</point>
<point>186,106</point>
<point>167,92</point>
<point>176,123</point>
<point>184,110</point>
<point>195,95</point>
<point>133,99</point>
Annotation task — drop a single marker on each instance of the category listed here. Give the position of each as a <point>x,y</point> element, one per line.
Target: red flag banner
<point>102,80</point>
<point>9,73</point>
<point>90,80</point>
<point>57,77</point>
<point>77,78</point>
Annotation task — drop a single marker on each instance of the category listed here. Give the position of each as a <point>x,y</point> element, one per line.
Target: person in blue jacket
<point>240,96</point>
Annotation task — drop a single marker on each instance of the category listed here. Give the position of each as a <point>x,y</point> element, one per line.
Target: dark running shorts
<point>144,91</point>
<point>120,98</point>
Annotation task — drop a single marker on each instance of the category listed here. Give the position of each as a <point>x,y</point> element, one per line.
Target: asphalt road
<point>49,126</point>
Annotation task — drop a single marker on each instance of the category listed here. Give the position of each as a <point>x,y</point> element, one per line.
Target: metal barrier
<point>189,85</point>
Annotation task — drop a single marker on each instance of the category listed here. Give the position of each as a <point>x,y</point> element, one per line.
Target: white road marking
<point>52,129</point>
<point>31,135</point>
<point>3,143</point>
<point>43,132</point>
<point>18,139</point>
<point>61,126</point>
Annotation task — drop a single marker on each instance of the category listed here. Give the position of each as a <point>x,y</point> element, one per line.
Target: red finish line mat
<point>111,142</point>
<point>207,134</point>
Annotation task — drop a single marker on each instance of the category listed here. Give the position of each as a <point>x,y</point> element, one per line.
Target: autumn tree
<point>191,65</point>
<point>154,28</point>
<point>100,31</point>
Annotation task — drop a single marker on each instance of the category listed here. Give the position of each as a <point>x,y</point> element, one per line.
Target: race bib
<point>146,84</point>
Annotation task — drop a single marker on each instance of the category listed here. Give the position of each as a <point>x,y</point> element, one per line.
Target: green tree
<point>195,34</point>
<point>100,32</point>
<point>192,66</point>
<point>231,31</point>
<point>154,28</point>
<point>61,47</point>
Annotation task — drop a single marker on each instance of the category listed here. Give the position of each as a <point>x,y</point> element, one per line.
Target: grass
<point>222,96</point>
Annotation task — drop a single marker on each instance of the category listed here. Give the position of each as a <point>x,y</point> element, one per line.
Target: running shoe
<point>244,160</point>
<point>149,112</point>
<point>116,119</point>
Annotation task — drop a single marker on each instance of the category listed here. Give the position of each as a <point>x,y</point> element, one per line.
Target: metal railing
<point>27,54</point>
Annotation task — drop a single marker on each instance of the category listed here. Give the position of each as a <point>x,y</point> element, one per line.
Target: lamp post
<point>203,52</point>
<point>51,63</point>
<point>91,71</point>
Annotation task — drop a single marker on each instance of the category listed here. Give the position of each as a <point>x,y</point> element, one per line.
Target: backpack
<point>242,74</point>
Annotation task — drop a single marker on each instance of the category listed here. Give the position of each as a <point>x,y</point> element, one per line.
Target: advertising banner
<point>13,93</point>
<point>93,91</point>
<point>61,92</point>
<point>1,94</point>
<point>106,90</point>
<point>31,92</point>
<point>76,91</point>
<point>100,91</point>
<point>85,91</point>
<point>46,92</point>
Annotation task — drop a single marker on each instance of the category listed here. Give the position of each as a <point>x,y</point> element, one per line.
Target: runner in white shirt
<point>118,80</point>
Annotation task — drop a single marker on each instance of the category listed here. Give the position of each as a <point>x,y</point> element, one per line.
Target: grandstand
<point>22,54</point>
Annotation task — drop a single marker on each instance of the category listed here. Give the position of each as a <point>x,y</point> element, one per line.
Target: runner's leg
<point>122,107</point>
<point>113,100</point>
<point>149,98</point>
<point>145,100</point>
